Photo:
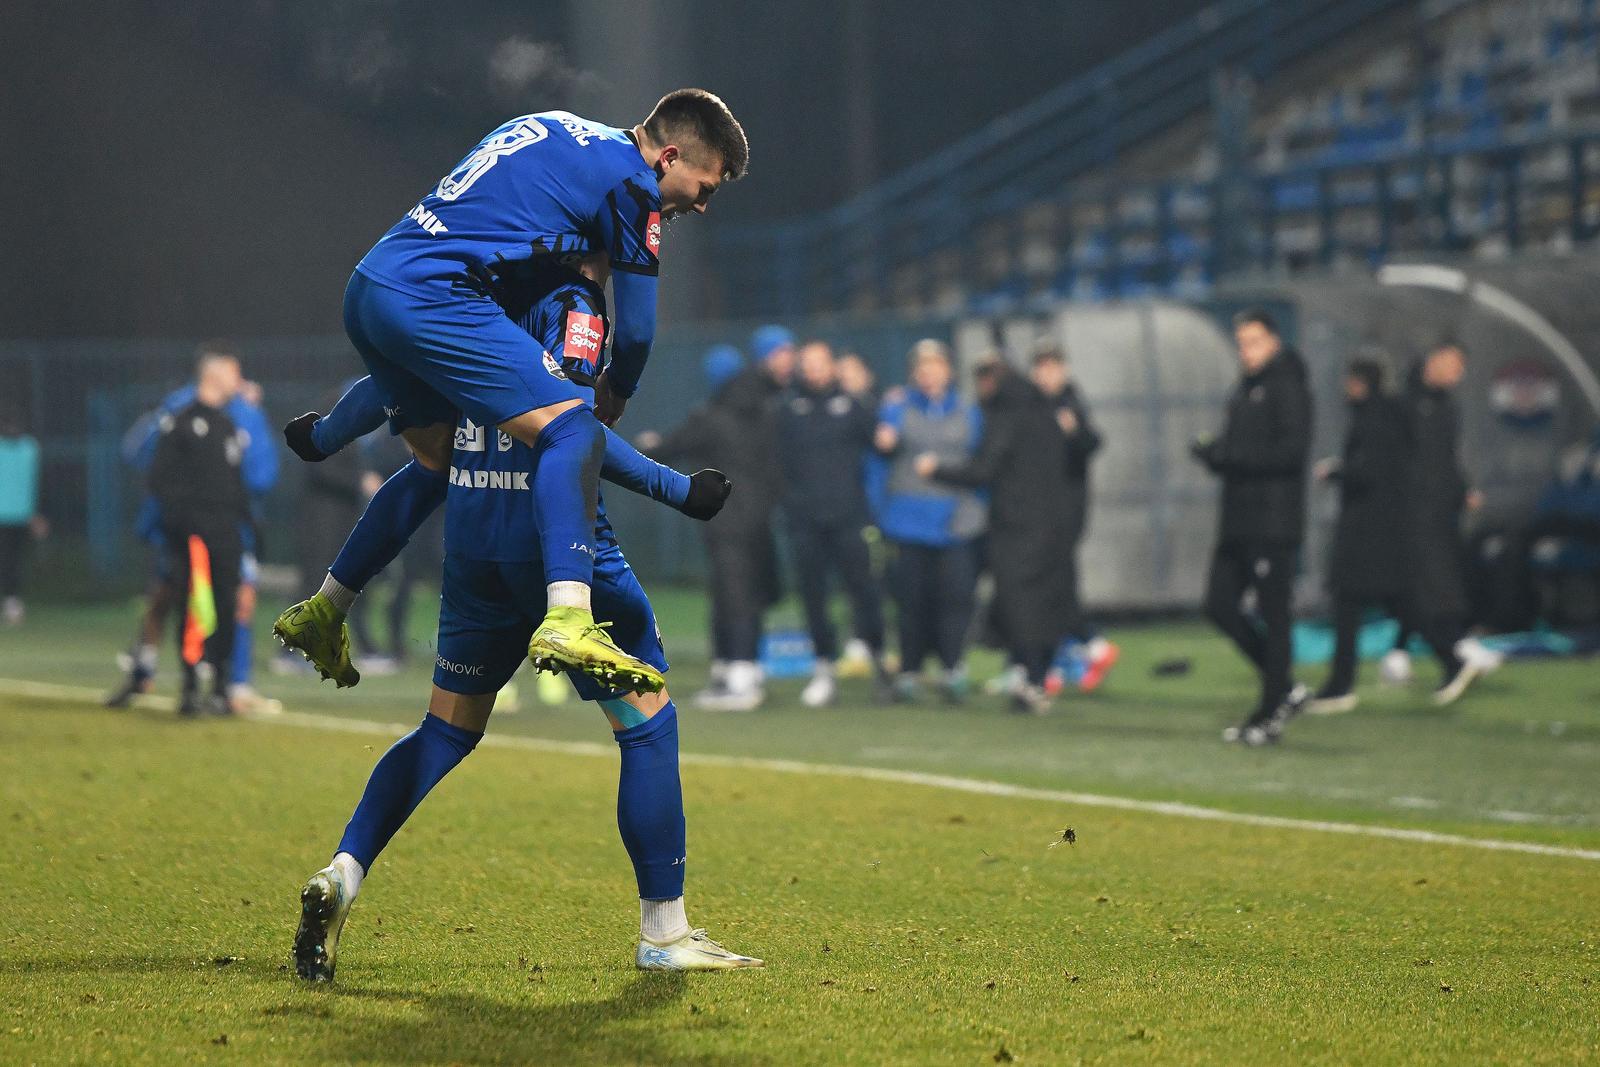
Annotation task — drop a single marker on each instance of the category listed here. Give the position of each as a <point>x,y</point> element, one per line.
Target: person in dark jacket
<point>1261,456</point>
<point>933,528</point>
<point>824,435</point>
<point>1022,462</point>
<point>1052,375</point>
<point>732,432</point>
<point>196,479</point>
<point>1438,493</point>
<point>1366,569</point>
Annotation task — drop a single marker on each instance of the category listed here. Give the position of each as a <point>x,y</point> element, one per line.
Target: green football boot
<point>317,630</point>
<point>570,640</point>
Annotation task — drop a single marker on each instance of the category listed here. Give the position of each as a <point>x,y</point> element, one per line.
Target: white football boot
<point>693,951</point>
<point>324,905</point>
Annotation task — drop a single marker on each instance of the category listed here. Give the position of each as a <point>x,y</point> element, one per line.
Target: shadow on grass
<point>441,1026</point>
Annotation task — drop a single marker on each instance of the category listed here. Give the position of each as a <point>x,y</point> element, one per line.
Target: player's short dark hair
<point>1049,353</point>
<point>215,348</point>
<point>702,117</point>
<point>1260,317</point>
<point>1367,370</point>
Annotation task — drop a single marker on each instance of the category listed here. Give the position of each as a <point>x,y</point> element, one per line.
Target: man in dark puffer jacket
<point>1261,457</point>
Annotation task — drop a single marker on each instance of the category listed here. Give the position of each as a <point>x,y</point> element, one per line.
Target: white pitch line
<point>976,786</point>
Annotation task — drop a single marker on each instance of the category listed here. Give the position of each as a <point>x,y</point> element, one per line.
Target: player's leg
<point>481,638</point>
<point>467,352</point>
<point>317,627</point>
<point>143,658</point>
<point>649,791</point>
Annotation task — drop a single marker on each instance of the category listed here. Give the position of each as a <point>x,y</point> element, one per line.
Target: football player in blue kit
<point>493,597</point>
<point>431,308</point>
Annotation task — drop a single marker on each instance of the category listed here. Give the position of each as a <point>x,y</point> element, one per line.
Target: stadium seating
<point>1467,126</point>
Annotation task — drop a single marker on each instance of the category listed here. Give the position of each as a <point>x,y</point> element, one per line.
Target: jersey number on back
<point>517,136</point>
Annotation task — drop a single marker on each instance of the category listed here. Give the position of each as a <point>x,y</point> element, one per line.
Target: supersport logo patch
<point>652,233</point>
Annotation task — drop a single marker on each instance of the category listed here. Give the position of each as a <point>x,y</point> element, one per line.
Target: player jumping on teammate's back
<point>493,594</point>
<point>430,309</point>
<point>570,322</point>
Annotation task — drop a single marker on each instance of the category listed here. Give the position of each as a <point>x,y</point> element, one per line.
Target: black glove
<point>1205,450</point>
<point>298,435</point>
<point>708,491</point>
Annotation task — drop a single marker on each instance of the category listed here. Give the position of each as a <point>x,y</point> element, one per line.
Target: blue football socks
<point>393,514</point>
<point>566,494</point>
<point>650,804</point>
<point>413,766</point>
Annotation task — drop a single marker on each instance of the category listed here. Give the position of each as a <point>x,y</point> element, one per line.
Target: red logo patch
<point>585,335</point>
<point>652,233</point>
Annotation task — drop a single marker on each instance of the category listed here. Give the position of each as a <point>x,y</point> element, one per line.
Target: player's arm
<point>630,228</point>
<point>699,496</point>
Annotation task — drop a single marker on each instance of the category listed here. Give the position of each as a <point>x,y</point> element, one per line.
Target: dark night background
<point>219,167</point>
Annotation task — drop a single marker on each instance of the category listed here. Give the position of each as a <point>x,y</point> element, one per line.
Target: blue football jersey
<point>542,186</point>
<point>489,512</point>
<point>548,184</point>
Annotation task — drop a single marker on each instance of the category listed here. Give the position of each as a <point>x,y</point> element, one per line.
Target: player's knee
<point>633,709</point>
<point>431,445</point>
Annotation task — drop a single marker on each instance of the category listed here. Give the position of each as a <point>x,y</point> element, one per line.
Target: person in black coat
<point>733,433</point>
<point>1261,456</point>
<point>195,477</point>
<point>1438,493</point>
<point>1366,568</point>
<point>824,435</point>
<point>1022,461</point>
<point>1053,377</point>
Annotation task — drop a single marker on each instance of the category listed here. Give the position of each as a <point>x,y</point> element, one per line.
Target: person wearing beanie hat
<point>734,427</point>
<point>720,365</point>
<point>774,350</point>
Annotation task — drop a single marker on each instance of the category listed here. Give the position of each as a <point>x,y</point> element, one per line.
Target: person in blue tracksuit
<point>933,528</point>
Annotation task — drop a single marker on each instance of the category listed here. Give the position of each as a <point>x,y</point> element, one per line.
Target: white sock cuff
<point>350,872</point>
<point>567,595</point>
<point>342,596</point>
<point>662,921</point>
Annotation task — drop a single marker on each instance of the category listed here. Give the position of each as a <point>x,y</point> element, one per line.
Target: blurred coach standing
<point>824,435</point>
<point>1261,457</point>
<point>195,477</point>
<point>932,527</point>
<point>1365,569</point>
<point>1439,493</point>
<point>733,433</point>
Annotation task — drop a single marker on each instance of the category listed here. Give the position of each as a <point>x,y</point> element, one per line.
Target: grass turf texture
<point>902,923</point>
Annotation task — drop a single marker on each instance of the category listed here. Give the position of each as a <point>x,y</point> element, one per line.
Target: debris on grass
<point>1003,1054</point>
<point>1066,836</point>
<point>220,1039</point>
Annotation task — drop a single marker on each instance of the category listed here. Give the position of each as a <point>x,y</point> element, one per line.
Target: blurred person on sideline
<point>732,432</point>
<point>20,520</point>
<point>1366,568</point>
<point>332,497</point>
<point>824,436</point>
<point>1052,376</point>
<point>773,349</point>
<point>1438,495</point>
<point>1261,456</point>
<point>857,379</point>
<point>932,527</point>
<point>1021,461</point>
<point>259,470</point>
<point>204,508</point>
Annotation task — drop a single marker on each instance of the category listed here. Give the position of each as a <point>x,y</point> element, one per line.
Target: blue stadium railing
<point>795,266</point>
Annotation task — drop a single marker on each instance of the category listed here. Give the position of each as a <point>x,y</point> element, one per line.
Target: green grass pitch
<point>150,868</point>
